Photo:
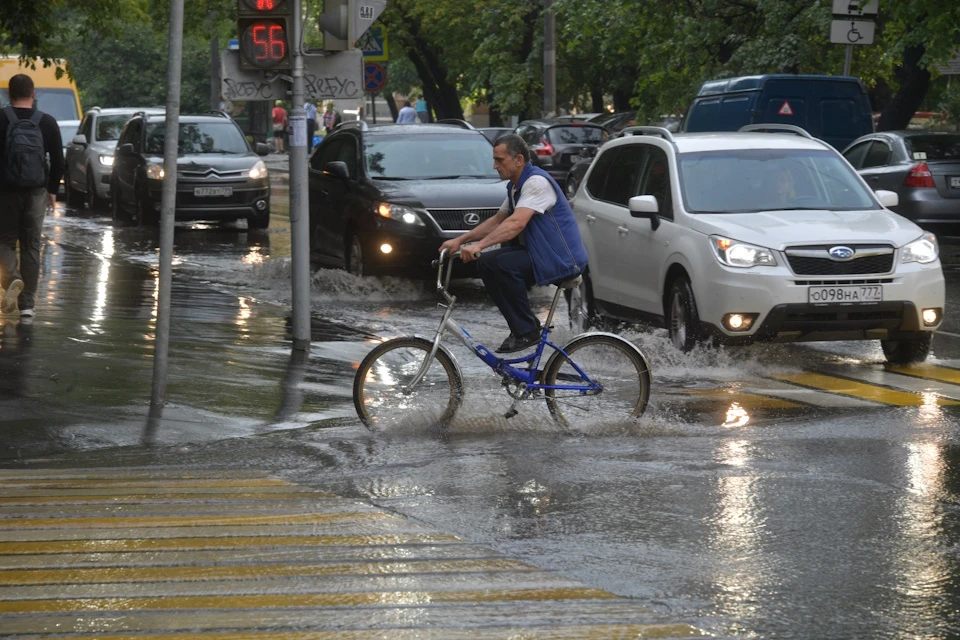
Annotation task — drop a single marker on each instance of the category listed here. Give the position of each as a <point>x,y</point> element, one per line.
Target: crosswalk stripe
<point>748,400</point>
<point>190,521</point>
<point>167,484</point>
<point>251,572</point>
<point>927,372</point>
<point>168,497</point>
<point>856,389</point>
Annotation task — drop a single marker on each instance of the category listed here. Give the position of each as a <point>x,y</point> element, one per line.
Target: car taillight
<point>919,176</point>
<point>545,148</point>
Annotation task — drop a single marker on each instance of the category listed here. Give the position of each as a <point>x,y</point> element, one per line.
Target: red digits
<point>278,42</point>
<point>261,49</point>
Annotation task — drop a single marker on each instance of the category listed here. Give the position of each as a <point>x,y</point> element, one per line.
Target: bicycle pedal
<point>510,414</point>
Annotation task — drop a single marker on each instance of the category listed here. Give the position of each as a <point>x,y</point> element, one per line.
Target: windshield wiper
<point>455,177</point>
<point>390,178</point>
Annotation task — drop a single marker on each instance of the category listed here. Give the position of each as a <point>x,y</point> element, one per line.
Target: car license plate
<point>845,294</point>
<point>955,182</point>
<point>212,191</point>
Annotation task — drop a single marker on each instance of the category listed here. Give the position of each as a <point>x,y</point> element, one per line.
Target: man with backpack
<point>31,165</point>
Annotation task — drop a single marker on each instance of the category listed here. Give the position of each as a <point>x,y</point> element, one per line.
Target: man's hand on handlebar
<point>452,246</point>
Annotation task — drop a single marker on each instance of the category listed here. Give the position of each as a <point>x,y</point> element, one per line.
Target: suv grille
<point>457,219</point>
<point>816,261</point>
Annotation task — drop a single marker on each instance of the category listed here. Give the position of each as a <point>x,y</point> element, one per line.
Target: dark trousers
<point>21,220</point>
<point>311,129</point>
<point>506,273</point>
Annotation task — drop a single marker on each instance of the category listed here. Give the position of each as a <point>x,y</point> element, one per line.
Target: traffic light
<point>263,28</point>
<point>344,21</point>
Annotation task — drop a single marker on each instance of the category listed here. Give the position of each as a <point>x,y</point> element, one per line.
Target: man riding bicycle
<point>540,241</point>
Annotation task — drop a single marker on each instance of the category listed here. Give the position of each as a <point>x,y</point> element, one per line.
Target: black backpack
<point>24,156</point>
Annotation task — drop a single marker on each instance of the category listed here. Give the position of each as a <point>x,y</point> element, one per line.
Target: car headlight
<point>924,250</point>
<point>739,254</point>
<point>400,213</point>
<point>258,171</point>
<point>106,161</point>
<point>154,171</point>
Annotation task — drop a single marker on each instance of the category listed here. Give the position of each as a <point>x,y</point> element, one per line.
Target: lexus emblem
<point>841,254</point>
<point>471,219</point>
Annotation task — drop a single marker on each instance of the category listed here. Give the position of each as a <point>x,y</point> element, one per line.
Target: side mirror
<point>125,150</point>
<point>645,207</point>
<point>80,140</point>
<point>888,198</point>
<point>262,149</point>
<point>337,169</point>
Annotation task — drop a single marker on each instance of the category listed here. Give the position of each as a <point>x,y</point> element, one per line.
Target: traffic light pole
<point>299,212</point>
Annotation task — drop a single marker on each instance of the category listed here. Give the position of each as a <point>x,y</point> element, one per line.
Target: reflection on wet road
<point>774,491</point>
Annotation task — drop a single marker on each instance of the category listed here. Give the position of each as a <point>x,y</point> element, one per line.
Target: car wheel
<point>908,351</point>
<point>93,202</point>
<point>571,187</point>
<point>146,215</point>
<point>683,321</point>
<point>120,216</point>
<point>354,258</point>
<point>72,196</point>
<point>261,221</point>
<point>580,307</point>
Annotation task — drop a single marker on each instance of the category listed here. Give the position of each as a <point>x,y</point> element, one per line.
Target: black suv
<point>383,198</point>
<point>219,177</point>
<point>556,145</point>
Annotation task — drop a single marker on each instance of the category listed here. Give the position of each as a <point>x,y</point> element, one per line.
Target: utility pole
<point>299,212</point>
<point>549,59</point>
<point>168,203</point>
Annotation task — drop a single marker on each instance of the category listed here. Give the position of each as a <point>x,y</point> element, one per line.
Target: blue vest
<point>552,238</point>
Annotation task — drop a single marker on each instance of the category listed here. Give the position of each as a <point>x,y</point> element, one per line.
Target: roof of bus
<point>42,76</point>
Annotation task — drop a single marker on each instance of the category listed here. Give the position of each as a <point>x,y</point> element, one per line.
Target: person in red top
<point>279,127</point>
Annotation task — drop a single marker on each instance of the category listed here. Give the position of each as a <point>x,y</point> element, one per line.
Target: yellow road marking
<point>292,600</point>
<point>927,372</point>
<point>240,542</point>
<point>576,632</point>
<point>856,389</point>
<point>189,521</point>
<point>746,400</point>
<point>22,577</point>
<point>163,497</point>
<point>166,483</point>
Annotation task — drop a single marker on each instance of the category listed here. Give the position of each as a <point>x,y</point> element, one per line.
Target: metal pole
<point>299,213</point>
<point>847,59</point>
<point>168,203</point>
<point>549,59</point>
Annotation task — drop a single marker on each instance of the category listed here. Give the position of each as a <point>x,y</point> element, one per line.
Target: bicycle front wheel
<point>615,364</point>
<point>379,386</point>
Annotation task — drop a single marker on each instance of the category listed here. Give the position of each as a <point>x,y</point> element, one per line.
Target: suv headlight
<point>739,254</point>
<point>924,250</point>
<point>106,161</point>
<point>258,171</point>
<point>154,171</point>
<point>400,213</point>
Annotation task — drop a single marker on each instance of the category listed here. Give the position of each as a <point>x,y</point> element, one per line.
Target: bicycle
<point>609,381</point>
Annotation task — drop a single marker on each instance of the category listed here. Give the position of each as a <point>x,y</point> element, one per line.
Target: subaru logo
<point>841,254</point>
<point>471,219</point>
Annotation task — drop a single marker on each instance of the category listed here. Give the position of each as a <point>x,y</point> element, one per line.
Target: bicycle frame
<point>504,367</point>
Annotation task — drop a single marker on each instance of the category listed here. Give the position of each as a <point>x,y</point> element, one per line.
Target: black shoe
<point>519,343</point>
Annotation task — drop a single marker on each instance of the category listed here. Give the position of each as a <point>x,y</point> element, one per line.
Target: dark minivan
<point>833,108</point>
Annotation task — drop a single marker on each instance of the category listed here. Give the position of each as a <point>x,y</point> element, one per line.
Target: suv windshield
<point>945,147</point>
<point>108,127</point>
<point>429,156</point>
<point>576,135</point>
<point>198,137</point>
<point>752,180</point>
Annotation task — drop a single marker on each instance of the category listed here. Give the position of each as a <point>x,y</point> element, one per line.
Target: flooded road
<point>774,491</point>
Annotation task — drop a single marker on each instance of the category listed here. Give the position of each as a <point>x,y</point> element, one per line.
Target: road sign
<point>373,43</point>
<point>856,7</point>
<point>332,77</point>
<point>852,31</point>
<point>374,77</point>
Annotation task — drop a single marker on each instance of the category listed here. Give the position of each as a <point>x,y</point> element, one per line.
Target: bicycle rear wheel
<point>378,387</point>
<point>612,362</point>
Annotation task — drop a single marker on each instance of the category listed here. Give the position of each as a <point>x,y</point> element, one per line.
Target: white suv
<point>747,236</point>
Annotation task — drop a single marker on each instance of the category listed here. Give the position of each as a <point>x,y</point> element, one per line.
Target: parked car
<point>492,133</point>
<point>558,145</point>
<point>746,236</point>
<point>616,121</point>
<point>832,108</point>
<point>383,198</point>
<point>68,129</point>
<point>219,177</point>
<point>89,155</point>
<point>922,168</point>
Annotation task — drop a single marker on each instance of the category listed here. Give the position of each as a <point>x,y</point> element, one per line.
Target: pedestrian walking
<point>423,113</point>
<point>31,165</point>
<point>407,115</point>
<point>331,118</point>
<point>279,126</point>
<point>311,110</point>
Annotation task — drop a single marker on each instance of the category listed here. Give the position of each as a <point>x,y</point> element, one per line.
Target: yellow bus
<point>56,96</point>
